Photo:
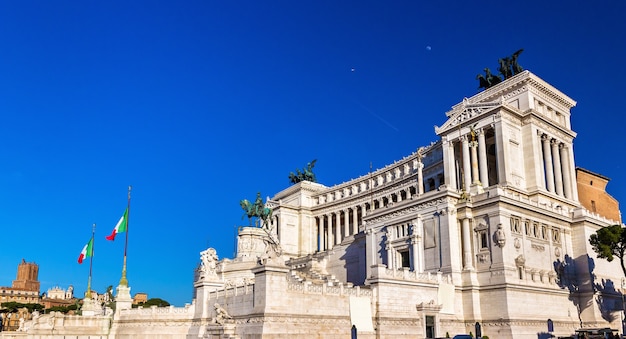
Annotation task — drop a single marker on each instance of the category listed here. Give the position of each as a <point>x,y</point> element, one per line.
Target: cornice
<point>564,134</point>
<point>422,153</point>
<point>548,91</point>
<point>482,104</point>
<point>410,210</point>
<point>306,186</point>
<point>505,87</point>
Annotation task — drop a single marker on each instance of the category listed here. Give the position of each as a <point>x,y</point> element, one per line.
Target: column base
<point>476,188</point>
<point>123,301</point>
<point>91,308</point>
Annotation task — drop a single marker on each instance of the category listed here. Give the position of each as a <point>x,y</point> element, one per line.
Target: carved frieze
<point>544,127</point>
<point>410,210</point>
<point>538,247</point>
<point>547,94</point>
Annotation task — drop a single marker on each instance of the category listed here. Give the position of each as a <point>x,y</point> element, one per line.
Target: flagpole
<point>93,232</point>
<point>123,280</point>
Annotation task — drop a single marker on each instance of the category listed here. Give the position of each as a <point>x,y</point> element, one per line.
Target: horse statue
<point>305,175</point>
<point>516,67</point>
<point>256,210</point>
<point>488,80</point>
<point>508,68</point>
<point>482,81</point>
<point>505,67</point>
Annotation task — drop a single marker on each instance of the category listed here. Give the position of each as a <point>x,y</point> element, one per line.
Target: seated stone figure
<point>221,315</point>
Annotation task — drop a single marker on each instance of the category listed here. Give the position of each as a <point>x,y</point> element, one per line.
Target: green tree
<point>34,307</point>
<point>109,293</point>
<point>11,306</point>
<point>62,309</point>
<point>610,242</point>
<point>155,302</point>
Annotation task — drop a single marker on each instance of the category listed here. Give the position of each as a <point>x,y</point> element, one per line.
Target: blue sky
<point>199,104</point>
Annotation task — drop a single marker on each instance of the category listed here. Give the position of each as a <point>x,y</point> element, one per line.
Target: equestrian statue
<point>256,210</point>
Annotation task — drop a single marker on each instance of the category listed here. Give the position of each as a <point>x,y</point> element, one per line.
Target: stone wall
<point>57,325</point>
<point>154,322</point>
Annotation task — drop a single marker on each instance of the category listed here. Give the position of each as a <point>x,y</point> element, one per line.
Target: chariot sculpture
<point>305,175</point>
<point>508,68</point>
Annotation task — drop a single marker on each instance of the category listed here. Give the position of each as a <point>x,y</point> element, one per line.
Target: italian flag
<point>120,227</point>
<point>86,252</point>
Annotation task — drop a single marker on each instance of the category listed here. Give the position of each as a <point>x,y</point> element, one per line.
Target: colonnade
<point>558,177</point>
<point>474,159</point>
<point>330,229</point>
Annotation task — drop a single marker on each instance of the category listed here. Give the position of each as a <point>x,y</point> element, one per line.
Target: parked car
<point>462,336</point>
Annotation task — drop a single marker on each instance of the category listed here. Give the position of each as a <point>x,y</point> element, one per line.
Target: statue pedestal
<point>123,301</point>
<point>476,188</point>
<point>251,243</point>
<point>90,308</point>
<point>203,288</point>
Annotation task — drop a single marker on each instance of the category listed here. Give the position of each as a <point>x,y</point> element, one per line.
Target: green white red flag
<point>86,252</point>
<point>120,227</point>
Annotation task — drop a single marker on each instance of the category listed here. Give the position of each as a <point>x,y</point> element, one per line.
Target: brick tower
<point>27,277</point>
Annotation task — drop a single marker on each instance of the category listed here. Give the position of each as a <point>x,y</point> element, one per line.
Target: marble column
<point>547,160</point>
<point>324,234</point>
<point>355,220</point>
<point>346,223</point>
<point>567,177</point>
<point>337,228</point>
<point>474,161</point>
<point>418,233</point>
<point>558,176</point>
<point>420,178</point>
<point>316,235</point>
<point>450,164</point>
<point>330,239</point>
<point>467,243</point>
<point>466,164</point>
<point>358,221</point>
<point>371,251</point>
<point>482,158</point>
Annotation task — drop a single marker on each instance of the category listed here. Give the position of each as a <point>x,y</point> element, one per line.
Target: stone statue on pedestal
<point>258,210</point>
<point>208,263</point>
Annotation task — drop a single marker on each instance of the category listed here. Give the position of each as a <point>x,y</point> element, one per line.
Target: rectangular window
<point>484,241</point>
<point>406,261</point>
<point>430,326</point>
<point>593,206</point>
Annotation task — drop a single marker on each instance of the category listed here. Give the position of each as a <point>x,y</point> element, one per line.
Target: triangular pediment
<point>467,112</point>
<point>518,94</point>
